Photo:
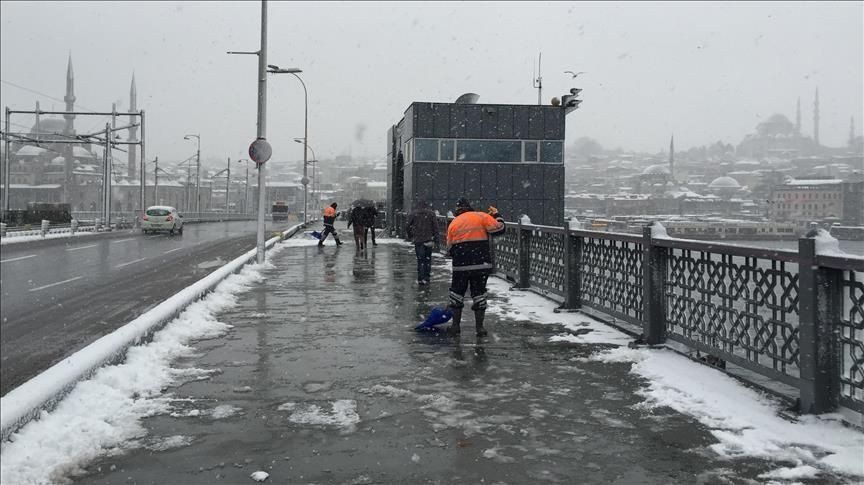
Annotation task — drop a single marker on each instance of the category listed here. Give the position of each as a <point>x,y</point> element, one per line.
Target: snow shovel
<point>316,234</point>
<point>436,317</point>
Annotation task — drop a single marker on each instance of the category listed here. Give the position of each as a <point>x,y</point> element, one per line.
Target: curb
<point>43,392</point>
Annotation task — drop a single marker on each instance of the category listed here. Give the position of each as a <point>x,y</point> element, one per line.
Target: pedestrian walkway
<point>322,380</point>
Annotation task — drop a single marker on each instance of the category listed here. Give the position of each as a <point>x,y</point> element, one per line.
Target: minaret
<point>69,129</point>
<point>851,131</point>
<point>133,132</point>
<point>798,116</point>
<point>816,118</point>
<point>672,157</point>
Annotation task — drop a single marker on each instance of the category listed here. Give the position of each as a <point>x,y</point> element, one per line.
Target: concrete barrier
<point>43,392</point>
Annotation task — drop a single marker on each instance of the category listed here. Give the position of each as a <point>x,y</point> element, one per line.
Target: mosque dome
<point>48,126</point>
<point>30,151</point>
<point>658,169</point>
<point>724,183</point>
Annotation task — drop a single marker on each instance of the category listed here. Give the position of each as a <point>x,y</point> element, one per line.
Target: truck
<point>279,211</point>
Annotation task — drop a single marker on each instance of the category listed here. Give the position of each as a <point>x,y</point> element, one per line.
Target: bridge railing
<point>794,317</point>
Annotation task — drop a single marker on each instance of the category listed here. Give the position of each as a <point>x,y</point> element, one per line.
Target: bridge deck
<point>322,380</point>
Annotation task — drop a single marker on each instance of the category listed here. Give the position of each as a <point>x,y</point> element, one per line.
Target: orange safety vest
<point>472,226</point>
<point>329,212</point>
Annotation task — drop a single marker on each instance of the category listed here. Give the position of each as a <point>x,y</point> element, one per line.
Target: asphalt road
<point>57,298</point>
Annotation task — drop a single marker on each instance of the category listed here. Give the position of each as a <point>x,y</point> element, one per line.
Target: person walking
<point>422,229</point>
<point>357,218</point>
<point>369,215</point>
<point>330,216</point>
<point>468,243</point>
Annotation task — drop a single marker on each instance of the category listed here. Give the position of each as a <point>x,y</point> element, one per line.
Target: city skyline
<point>641,85</point>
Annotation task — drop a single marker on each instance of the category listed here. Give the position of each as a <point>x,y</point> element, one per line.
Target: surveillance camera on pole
<point>571,101</point>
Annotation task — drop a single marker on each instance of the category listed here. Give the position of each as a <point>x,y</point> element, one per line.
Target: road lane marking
<point>172,250</point>
<point>123,240</point>
<point>55,284</point>
<point>130,262</point>
<point>18,259</point>
<point>82,247</point>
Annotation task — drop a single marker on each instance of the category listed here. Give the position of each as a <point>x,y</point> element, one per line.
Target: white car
<point>161,218</point>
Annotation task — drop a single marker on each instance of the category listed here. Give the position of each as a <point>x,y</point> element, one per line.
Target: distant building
<point>507,156</point>
<point>802,200</point>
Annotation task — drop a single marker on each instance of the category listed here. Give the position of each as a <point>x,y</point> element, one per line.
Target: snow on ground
<point>343,413</point>
<point>745,422</point>
<point>60,443</point>
<point>38,237</point>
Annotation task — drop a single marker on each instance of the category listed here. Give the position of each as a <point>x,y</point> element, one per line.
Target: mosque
<point>44,171</point>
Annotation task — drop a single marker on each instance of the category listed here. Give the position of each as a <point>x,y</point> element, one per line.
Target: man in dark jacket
<point>330,216</point>
<point>468,242</point>
<point>422,228</point>
<point>358,218</point>
<point>369,215</point>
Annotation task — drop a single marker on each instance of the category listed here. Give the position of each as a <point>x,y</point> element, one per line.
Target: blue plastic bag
<point>316,234</point>
<point>436,317</point>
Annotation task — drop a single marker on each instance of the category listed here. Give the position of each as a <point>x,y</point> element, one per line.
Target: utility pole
<point>262,129</point>
<point>155,183</point>
<point>227,185</point>
<point>198,177</point>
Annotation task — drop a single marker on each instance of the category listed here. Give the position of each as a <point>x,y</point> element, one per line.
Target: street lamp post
<point>305,180</point>
<point>262,127</point>
<point>197,171</point>
<point>227,171</point>
<point>246,189</point>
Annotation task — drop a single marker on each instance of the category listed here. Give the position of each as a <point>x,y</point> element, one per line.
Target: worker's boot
<point>479,316</point>
<point>455,328</point>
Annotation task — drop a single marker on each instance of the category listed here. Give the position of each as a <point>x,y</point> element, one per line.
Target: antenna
<point>538,81</point>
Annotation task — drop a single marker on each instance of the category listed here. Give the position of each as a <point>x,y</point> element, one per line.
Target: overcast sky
<point>703,71</point>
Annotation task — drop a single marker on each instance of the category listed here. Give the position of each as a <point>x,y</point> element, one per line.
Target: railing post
<point>572,274</point>
<point>45,225</point>
<point>74,226</point>
<point>2,229</point>
<point>820,299</point>
<point>653,280</point>
<point>524,257</point>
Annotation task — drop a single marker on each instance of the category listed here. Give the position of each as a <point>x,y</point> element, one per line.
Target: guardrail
<point>92,222</point>
<point>22,404</point>
<point>795,317</point>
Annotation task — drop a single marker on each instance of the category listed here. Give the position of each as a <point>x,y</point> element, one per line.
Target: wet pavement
<point>323,380</point>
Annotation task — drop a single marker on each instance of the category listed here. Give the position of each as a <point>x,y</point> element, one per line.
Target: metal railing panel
<point>741,305</point>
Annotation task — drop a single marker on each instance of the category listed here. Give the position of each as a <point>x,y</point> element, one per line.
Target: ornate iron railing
<point>796,317</point>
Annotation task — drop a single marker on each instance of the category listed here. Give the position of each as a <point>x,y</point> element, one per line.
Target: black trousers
<point>461,281</point>
<point>327,231</point>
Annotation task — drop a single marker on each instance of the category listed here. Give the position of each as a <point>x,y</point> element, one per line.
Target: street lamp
<point>246,190</point>
<point>273,69</point>
<point>227,182</point>
<point>197,172</point>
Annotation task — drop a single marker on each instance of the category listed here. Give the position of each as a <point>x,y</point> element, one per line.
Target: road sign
<point>260,151</point>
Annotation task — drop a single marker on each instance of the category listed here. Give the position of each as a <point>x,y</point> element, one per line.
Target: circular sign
<point>304,181</point>
<point>260,151</point>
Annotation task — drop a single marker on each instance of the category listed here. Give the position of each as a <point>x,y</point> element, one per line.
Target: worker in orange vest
<point>468,244</point>
<point>330,216</point>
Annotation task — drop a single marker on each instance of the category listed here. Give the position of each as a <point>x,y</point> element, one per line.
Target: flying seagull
<point>574,74</point>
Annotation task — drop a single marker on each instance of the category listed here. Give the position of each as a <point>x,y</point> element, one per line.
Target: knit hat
<point>333,205</point>
<point>463,204</point>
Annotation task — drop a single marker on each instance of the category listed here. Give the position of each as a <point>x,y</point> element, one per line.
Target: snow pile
<point>658,231</point>
<point>343,413</point>
<point>259,476</point>
<point>576,225</point>
<point>827,245</point>
<point>746,423</point>
<point>525,220</point>
<point>528,306</point>
<point>58,444</point>
<point>38,237</point>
